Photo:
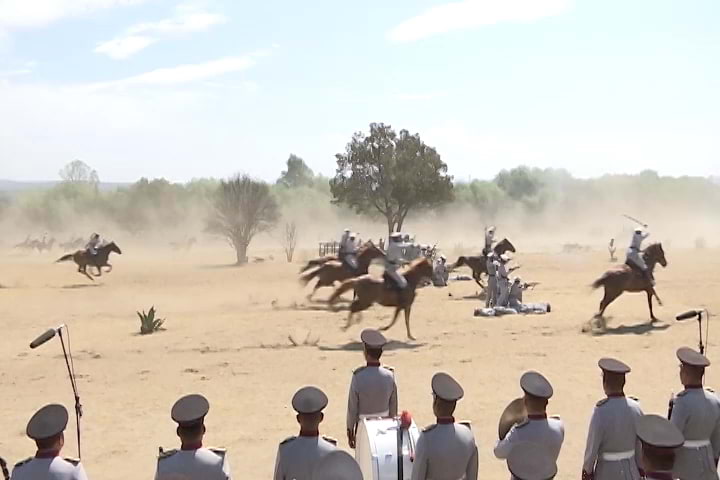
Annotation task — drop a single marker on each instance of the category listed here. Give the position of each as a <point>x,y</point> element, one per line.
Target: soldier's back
<point>200,464</point>
<point>446,450</point>
<point>297,456</point>
<point>49,469</point>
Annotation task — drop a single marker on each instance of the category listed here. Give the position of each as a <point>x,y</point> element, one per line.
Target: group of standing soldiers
<point>622,442</point>
<point>500,291</point>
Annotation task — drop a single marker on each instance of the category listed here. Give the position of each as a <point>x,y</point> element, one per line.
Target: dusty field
<point>227,337</point>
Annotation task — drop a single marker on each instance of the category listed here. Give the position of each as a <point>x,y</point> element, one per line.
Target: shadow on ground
<point>640,329</point>
<point>82,285</point>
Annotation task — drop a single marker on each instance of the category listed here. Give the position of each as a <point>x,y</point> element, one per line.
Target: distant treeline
<point>157,205</point>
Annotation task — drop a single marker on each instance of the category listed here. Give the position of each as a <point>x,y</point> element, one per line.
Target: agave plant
<point>148,323</point>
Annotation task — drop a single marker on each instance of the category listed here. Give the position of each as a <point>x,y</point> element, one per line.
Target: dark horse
<point>478,263</point>
<point>83,258</point>
<point>624,278</point>
<point>369,290</point>
<point>334,271</point>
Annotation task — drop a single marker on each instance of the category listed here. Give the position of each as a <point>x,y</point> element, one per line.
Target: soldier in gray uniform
<point>492,288</point>
<point>528,461</point>
<point>696,412</point>
<point>337,465</point>
<point>46,427</point>
<point>298,456</point>
<point>531,423</point>
<point>660,441</point>
<point>446,450</point>
<point>612,450</point>
<point>192,461</point>
<point>503,281</point>
<point>373,392</point>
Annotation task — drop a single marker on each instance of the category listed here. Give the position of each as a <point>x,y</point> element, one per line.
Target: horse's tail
<point>345,286</point>
<point>600,281</point>
<point>309,265</point>
<point>310,274</point>
<point>65,258</point>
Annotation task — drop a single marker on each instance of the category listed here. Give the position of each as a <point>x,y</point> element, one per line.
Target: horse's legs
<point>348,322</point>
<point>407,322</point>
<point>610,296</point>
<point>395,317</point>
<point>99,271</point>
<point>652,289</point>
<point>653,319</point>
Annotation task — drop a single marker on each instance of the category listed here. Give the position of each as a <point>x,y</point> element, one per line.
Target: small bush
<point>148,323</point>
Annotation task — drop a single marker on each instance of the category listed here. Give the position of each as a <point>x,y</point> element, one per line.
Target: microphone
<point>49,333</point>
<point>689,314</point>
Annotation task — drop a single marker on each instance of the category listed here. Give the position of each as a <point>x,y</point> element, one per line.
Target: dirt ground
<point>227,338</point>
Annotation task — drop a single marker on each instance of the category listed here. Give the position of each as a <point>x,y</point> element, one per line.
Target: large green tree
<point>390,174</point>
<point>242,207</point>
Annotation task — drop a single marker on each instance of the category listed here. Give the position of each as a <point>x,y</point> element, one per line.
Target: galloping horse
<point>83,258</point>
<point>478,263</point>
<point>334,271</point>
<point>369,290</point>
<point>624,278</point>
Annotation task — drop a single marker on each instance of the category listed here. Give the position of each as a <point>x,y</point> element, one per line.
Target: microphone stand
<point>71,374</point>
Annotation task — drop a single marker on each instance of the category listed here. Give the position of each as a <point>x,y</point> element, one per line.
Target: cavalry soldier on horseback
<point>696,413</point>
<point>192,461</point>
<point>394,259</point>
<point>348,252</point>
<point>298,456</point>
<point>447,449</point>
<point>92,245</point>
<point>489,239</point>
<point>373,392</point>
<point>634,259</point>
<point>610,451</point>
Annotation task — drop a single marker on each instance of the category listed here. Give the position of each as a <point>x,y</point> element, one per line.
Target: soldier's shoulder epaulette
<point>23,462</point>
<point>359,369</point>
<point>392,369</point>
<point>709,389</point>
<point>429,427</point>
<point>330,440</point>
<point>683,393</point>
<point>556,417</point>
<point>287,440</point>
<point>631,397</point>
<point>466,423</point>
<point>522,424</point>
<point>167,454</point>
<point>71,460</point>
<point>220,452</point>
<point>601,402</point>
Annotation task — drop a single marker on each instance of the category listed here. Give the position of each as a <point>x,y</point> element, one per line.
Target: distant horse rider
<point>489,239</point>
<point>394,259</point>
<point>634,259</point>
<point>93,244</point>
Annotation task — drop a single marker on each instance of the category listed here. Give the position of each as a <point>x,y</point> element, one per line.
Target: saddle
<point>390,284</point>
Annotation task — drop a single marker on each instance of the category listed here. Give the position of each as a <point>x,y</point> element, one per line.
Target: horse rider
<point>634,258</point>
<point>93,244</point>
<point>298,456</point>
<point>440,272</point>
<point>373,391</point>
<point>343,240</point>
<point>492,288</point>
<point>394,258</point>
<point>192,461</point>
<point>489,239</point>
<point>349,252</point>
<point>447,449</point>
<point>610,450</point>
<point>47,428</point>
<point>503,280</point>
<point>696,413</point>
<point>660,441</point>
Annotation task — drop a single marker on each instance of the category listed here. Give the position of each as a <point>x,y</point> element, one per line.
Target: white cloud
<point>123,47</point>
<point>469,14</point>
<point>38,13</point>
<point>188,73</point>
<point>187,19</point>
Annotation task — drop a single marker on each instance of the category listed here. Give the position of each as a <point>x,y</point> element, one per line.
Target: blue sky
<point>183,89</point>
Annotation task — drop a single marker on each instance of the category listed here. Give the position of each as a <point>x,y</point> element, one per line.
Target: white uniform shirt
<point>54,468</point>
<point>637,240</point>
<point>547,431</point>
<point>297,457</point>
<point>446,452</point>
<point>395,252</point>
<point>200,464</point>
<point>372,391</point>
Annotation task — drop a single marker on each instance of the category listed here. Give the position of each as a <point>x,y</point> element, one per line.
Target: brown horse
<point>334,271</point>
<point>368,291</point>
<point>624,278</point>
<point>478,263</point>
<point>83,258</point>
<point>316,262</point>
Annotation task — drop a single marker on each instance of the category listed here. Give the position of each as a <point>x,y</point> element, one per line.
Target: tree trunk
<point>241,253</point>
<point>390,223</point>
